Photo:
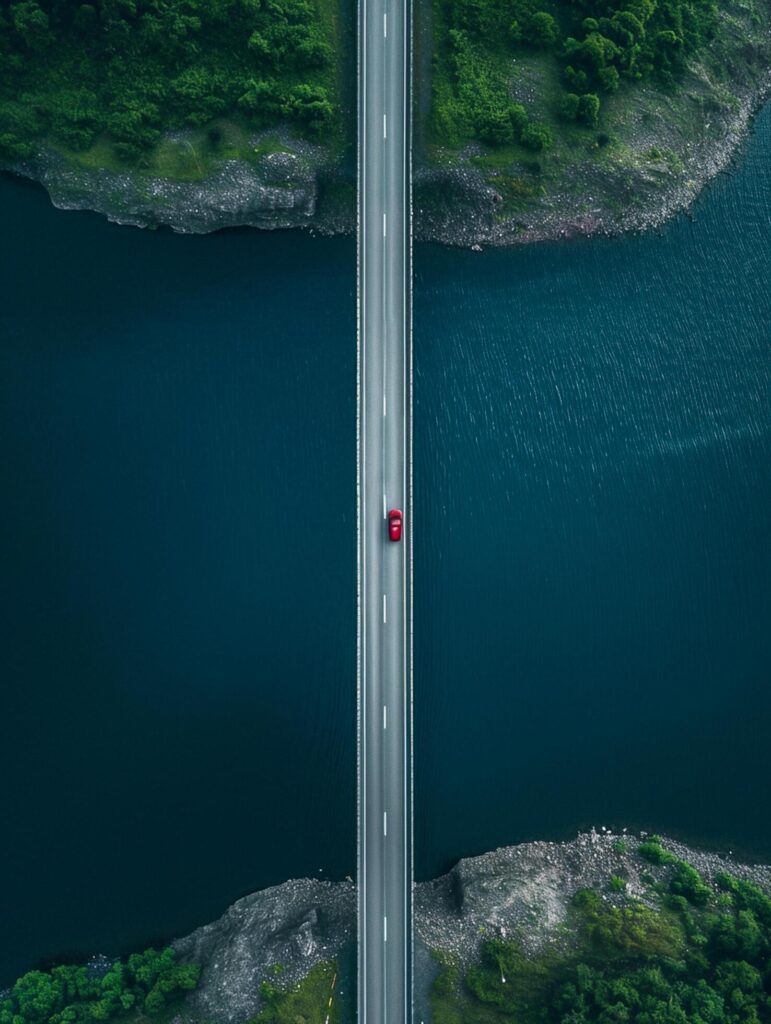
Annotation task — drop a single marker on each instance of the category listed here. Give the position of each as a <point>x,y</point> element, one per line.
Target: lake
<point>177,534</point>
<point>592,547</point>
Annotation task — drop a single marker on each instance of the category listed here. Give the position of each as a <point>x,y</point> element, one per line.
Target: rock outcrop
<point>286,188</point>
<point>518,891</point>
<point>664,151</point>
<point>289,928</point>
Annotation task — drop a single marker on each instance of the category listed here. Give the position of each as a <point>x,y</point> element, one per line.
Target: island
<point>534,119</point>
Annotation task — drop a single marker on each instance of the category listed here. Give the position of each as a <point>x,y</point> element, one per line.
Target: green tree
<point>262,100</point>
<point>609,79</point>
<point>86,20</point>
<point>310,106</point>
<point>589,110</point>
<point>32,24</point>
<point>496,127</point>
<point>540,30</point>
<point>38,996</point>
<point>536,137</point>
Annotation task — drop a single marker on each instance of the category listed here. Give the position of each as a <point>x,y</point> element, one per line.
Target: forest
<point>126,73</point>
<point>131,70</point>
<point>703,956</point>
<point>598,47</point>
<point>146,985</point>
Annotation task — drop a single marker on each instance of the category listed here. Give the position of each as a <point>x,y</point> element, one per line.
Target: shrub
<point>518,117</point>
<point>652,851</point>
<point>536,137</point>
<point>589,110</point>
<point>568,108</point>
<point>496,128</point>
<point>687,882</point>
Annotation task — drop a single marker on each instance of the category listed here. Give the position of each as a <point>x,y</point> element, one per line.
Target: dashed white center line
<point>385,716</point>
<point>385,26</point>
<point>384,225</point>
<point>384,506</point>
<point>385,929</point>
<point>384,403</point>
<point>385,133</point>
<point>385,823</point>
<point>384,608</point>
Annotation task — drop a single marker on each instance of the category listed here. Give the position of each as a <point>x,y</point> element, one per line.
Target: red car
<point>395,524</point>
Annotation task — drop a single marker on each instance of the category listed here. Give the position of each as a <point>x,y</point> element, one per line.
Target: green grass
<point>518,174</point>
<point>330,16</point>
<point>604,166</point>
<point>699,955</point>
<point>508,987</point>
<point>193,157</point>
<point>309,1002</point>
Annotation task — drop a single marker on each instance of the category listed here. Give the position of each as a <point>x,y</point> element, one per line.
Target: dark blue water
<point>592,551</point>
<point>177,542</point>
<point>177,538</point>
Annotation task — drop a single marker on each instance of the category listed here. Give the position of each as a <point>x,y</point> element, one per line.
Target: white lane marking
<point>385,823</point>
<point>384,403</point>
<point>385,26</point>
<point>384,225</point>
<point>385,716</point>
<point>385,133</point>
<point>384,506</point>
<point>384,608</point>
<point>385,929</point>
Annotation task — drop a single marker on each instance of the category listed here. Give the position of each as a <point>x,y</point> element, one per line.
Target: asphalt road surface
<point>385,480</point>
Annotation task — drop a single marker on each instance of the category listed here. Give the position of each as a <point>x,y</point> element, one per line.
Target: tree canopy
<point>704,957</point>
<point>599,45</point>
<point>146,982</point>
<point>129,70</point>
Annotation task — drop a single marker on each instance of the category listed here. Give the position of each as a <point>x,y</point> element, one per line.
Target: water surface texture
<point>592,549</point>
<point>177,535</point>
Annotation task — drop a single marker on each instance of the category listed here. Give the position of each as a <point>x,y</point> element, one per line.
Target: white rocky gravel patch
<point>293,926</point>
<point>524,891</point>
<point>518,892</point>
<point>279,190</point>
<point>454,202</point>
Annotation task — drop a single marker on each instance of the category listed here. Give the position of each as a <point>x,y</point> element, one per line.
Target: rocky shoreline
<point>295,185</point>
<point>459,206</point>
<point>520,891</point>
<point>300,186</point>
<point>289,928</point>
<point>649,158</point>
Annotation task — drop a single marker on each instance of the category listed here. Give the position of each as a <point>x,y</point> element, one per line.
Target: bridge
<point>384,466</point>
